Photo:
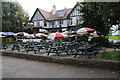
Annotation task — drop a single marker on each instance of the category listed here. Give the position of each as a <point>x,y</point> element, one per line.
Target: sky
<point>31,5</point>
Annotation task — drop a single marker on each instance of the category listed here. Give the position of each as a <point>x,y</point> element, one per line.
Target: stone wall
<point>91,63</point>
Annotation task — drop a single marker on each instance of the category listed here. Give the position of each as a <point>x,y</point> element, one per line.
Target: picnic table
<point>89,50</point>
<point>80,51</point>
<point>39,47</point>
<point>54,49</point>
<point>116,46</point>
<point>31,48</point>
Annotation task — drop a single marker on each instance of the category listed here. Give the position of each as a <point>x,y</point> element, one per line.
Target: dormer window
<point>61,13</point>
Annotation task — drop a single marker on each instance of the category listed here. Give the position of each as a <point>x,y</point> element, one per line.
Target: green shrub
<point>102,41</point>
<point>8,39</point>
<point>117,43</point>
<point>114,37</point>
<point>67,39</point>
<point>82,38</point>
<point>111,56</point>
<point>78,38</point>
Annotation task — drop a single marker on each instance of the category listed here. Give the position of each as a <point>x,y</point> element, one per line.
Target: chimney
<point>65,8</point>
<point>54,10</point>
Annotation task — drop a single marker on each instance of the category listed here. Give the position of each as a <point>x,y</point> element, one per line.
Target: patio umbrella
<point>8,34</point>
<point>24,34</point>
<point>85,30</point>
<point>56,35</point>
<point>31,36</point>
<point>96,34</point>
<point>1,34</point>
<point>66,32</point>
<point>80,34</point>
<point>41,35</point>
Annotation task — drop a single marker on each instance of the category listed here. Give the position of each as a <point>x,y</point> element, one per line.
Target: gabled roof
<point>73,8</point>
<point>49,16</point>
<point>44,13</point>
<point>55,17</point>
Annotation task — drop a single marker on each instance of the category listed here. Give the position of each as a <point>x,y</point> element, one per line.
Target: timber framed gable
<point>37,16</point>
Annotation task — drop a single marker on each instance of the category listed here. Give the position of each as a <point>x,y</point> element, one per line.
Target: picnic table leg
<point>57,53</point>
<point>49,52</point>
<point>89,57</point>
<point>38,50</point>
<point>94,54</point>
<point>18,50</point>
<point>12,49</point>
<point>114,49</point>
<point>75,56</point>
<point>35,51</point>
<point>27,51</point>
<point>67,52</point>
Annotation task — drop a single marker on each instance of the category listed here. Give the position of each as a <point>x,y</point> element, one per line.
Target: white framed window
<point>37,23</point>
<point>45,23</point>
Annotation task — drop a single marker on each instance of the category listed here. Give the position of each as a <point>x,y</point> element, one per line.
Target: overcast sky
<point>31,5</point>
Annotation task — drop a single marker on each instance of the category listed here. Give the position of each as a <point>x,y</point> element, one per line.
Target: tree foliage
<point>100,16</point>
<point>14,17</point>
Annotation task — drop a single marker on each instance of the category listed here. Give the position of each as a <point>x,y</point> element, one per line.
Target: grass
<point>111,56</point>
<point>114,37</point>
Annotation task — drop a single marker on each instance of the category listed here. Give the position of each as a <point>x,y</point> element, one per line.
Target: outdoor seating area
<point>52,47</point>
<point>54,43</point>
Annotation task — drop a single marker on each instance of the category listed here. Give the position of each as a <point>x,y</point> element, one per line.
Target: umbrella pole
<point>76,38</point>
<point>69,37</point>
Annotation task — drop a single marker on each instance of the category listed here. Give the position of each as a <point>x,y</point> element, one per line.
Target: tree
<point>14,17</point>
<point>100,16</point>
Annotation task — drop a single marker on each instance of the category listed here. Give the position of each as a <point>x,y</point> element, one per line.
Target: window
<point>37,23</point>
<point>61,13</point>
<point>60,23</point>
<point>45,23</point>
<point>70,20</point>
<point>77,21</point>
<point>52,23</point>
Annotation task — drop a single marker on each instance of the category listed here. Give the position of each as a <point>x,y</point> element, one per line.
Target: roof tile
<point>50,16</point>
